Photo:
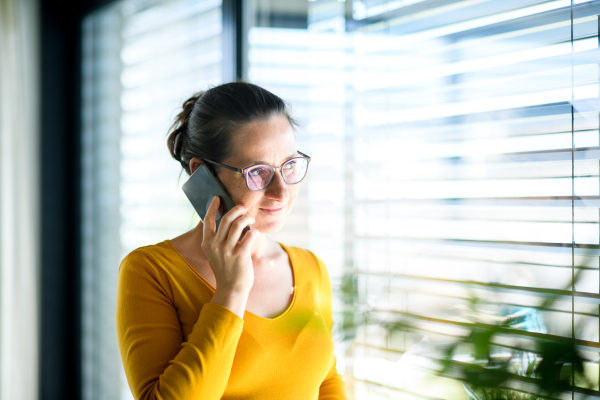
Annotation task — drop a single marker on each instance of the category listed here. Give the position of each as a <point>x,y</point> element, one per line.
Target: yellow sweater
<point>175,344</point>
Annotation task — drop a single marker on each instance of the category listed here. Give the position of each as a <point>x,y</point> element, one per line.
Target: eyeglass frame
<point>244,171</point>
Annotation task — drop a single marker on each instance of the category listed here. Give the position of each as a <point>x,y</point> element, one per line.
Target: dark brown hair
<point>209,119</point>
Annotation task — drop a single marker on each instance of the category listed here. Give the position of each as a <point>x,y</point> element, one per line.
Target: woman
<point>209,316</point>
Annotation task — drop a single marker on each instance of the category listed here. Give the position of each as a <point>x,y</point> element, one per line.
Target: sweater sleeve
<point>158,363</point>
<point>332,387</point>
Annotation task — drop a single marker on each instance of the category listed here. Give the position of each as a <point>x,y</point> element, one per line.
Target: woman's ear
<point>194,164</point>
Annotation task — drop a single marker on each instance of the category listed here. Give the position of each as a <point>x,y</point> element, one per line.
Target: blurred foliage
<point>546,369</point>
<point>550,368</point>
<point>351,318</point>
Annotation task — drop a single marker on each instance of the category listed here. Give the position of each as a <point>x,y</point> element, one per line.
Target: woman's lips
<point>272,210</point>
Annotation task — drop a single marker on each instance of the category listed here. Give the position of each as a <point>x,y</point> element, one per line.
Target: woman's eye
<point>259,171</point>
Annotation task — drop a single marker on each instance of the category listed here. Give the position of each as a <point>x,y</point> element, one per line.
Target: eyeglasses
<point>259,176</point>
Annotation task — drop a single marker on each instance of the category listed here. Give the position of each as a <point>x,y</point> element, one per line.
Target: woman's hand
<point>228,257</point>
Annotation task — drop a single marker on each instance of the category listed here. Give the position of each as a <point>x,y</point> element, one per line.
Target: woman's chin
<point>271,226</point>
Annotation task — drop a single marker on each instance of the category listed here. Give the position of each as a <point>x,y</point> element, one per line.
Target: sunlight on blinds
<point>142,59</point>
<point>472,134</point>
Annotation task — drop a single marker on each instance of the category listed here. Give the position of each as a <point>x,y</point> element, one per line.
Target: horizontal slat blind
<point>142,59</point>
<point>475,130</point>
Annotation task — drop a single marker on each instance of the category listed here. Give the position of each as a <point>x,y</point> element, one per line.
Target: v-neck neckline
<point>294,277</point>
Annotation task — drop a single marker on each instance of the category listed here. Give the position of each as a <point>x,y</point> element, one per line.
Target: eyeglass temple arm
<point>225,166</point>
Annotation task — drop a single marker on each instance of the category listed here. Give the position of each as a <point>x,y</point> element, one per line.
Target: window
<point>473,128</point>
<point>455,161</point>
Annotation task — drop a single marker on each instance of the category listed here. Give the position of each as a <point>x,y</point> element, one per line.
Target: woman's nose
<point>277,188</point>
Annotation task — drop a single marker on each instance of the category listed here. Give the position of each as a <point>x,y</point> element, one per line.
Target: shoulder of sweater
<point>151,257</point>
<point>147,265</point>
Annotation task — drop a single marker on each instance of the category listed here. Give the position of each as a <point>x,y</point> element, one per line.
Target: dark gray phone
<point>202,187</point>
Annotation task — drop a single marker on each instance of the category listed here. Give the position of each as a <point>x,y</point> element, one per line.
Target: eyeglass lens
<point>293,172</point>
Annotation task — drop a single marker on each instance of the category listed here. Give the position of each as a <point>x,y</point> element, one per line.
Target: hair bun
<point>179,130</point>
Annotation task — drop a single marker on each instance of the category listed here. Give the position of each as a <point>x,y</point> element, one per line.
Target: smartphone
<point>200,190</point>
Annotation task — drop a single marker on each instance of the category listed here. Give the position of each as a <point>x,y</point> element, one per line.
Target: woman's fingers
<point>235,230</point>
<point>228,219</point>
<point>230,228</point>
<point>248,240</point>
<point>231,264</point>
<point>210,225</point>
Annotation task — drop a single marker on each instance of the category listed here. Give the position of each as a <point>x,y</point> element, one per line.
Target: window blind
<point>142,59</point>
<point>474,130</point>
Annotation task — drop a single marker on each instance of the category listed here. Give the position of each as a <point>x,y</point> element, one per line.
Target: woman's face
<point>270,142</point>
